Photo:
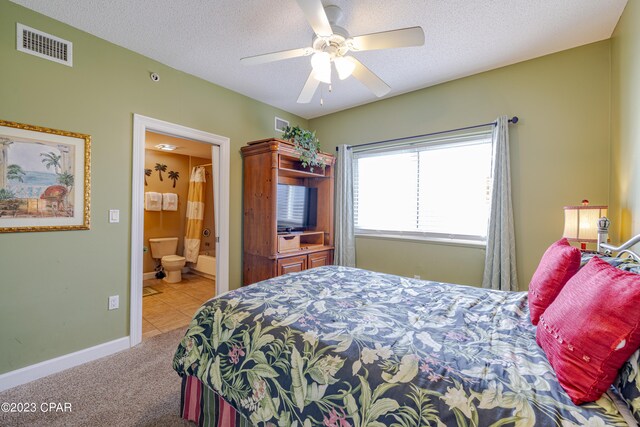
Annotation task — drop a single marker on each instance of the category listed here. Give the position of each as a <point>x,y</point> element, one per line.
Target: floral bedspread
<point>338,347</point>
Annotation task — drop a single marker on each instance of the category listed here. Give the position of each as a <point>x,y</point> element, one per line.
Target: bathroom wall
<point>165,223</point>
<point>172,223</point>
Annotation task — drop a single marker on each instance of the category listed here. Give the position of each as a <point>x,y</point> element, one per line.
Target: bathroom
<point>174,286</point>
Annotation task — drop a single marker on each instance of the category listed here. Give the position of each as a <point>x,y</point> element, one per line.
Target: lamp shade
<point>344,67</point>
<point>581,222</point>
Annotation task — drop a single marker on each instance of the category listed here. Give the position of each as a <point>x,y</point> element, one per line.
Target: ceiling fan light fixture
<point>344,67</point>
<point>331,43</point>
<point>321,64</point>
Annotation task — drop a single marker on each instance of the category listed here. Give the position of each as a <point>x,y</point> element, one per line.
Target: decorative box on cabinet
<point>267,163</point>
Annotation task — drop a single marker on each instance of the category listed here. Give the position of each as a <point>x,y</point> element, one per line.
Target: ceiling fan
<point>331,43</point>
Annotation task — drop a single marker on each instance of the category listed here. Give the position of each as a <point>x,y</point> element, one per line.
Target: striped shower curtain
<point>195,214</point>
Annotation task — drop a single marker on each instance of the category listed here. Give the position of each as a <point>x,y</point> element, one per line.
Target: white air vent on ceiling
<point>35,42</point>
<point>281,124</point>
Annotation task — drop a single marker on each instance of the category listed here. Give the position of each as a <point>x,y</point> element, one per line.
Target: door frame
<point>142,124</point>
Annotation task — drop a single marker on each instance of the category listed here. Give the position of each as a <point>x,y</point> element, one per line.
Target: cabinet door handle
<point>289,237</point>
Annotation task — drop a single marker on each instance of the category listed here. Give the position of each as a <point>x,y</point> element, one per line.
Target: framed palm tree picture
<point>45,179</point>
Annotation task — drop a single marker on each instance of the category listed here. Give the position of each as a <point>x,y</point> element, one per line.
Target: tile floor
<point>175,305</point>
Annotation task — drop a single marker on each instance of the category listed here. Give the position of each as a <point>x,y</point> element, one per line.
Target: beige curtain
<point>500,259</point>
<point>195,214</point>
<point>345,253</point>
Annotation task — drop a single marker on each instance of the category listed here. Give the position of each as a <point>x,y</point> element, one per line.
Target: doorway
<point>145,128</point>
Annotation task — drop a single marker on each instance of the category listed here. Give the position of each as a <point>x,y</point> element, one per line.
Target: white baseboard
<point>152,274</point>
<point>205,275</point>
<point>52,366</point>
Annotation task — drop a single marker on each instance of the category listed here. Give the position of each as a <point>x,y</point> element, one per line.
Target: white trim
<point>52,366</point>
<point>152,274</point>
<point>149,276</point>
<point>222,250</point>
<point>141,124</point>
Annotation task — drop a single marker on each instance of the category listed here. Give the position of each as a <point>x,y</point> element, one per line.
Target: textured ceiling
<point>463,37</point>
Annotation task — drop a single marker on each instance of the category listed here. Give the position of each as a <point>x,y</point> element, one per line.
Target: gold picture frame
<point>45,179</point>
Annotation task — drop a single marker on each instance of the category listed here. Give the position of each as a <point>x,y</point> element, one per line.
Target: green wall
<point>559,151</point>
<point>54,286</point>
<point>625,124</point>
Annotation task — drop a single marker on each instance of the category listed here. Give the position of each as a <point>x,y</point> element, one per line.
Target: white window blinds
<point>437,188</point>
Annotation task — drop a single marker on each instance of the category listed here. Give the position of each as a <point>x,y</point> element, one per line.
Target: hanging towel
<point>169,202</point>
<point>152,201</point>
<point>195,214</point>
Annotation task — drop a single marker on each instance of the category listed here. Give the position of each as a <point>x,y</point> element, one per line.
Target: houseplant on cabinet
<point>306,145</point>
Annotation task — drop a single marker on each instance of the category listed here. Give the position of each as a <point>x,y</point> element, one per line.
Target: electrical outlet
<point>114,302</point>
<point>416,276</point>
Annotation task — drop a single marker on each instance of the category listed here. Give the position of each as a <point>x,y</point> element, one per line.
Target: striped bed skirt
<point>205,407</point>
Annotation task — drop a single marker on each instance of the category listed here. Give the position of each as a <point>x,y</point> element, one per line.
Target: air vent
<point>281,124</point>
<point>38,43</point>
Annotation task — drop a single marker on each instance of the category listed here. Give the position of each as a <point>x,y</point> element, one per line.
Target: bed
<point>336,347</point>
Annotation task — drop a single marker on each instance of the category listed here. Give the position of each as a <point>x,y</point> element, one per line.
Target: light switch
<point>114,215</point>
<point>114,302</point>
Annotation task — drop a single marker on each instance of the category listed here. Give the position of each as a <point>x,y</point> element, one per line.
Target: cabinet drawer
<point>288,243</point>
<point>319,259</point>
<point>292,264</point>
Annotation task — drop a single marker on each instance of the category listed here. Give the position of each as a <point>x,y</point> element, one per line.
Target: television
<point>297,207</point>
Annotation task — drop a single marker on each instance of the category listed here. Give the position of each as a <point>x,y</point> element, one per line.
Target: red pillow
<point>591,329</point>
<point>558,264</point>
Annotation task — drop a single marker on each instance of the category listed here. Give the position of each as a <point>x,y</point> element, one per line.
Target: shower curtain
<point>195,214</point>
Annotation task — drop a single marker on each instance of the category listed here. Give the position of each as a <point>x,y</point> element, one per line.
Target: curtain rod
<point>513,120</point>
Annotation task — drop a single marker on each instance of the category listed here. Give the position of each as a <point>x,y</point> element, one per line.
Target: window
<point>436,189</point>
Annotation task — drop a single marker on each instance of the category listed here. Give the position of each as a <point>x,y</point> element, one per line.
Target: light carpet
<point>136,387</point>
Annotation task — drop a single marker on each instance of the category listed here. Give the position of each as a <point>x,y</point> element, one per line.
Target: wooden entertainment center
<point>266,253</point>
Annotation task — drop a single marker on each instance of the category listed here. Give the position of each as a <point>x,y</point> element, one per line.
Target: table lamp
<point>586,224</point>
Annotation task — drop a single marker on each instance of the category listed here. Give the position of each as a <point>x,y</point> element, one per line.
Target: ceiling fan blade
<point>405,37</point>
<point>308,90</point>
<point>315,14</point>
<point>277,56</point>
<point>368,78</point>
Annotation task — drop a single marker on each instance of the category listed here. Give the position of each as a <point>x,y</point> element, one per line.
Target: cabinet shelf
<point>294,242</point>
<point>290,167</point>
<point>303,252</point>
<point>266,253</point>
<point>295,173</point>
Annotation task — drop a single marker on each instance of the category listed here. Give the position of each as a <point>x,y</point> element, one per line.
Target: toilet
<point>164,249</point>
